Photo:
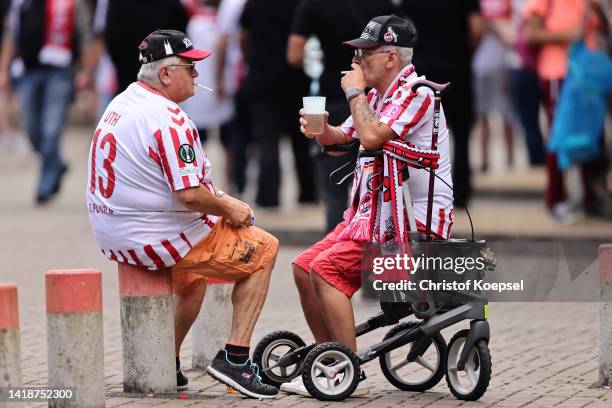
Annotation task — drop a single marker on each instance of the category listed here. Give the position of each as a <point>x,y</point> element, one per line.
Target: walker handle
<point>441,88</point>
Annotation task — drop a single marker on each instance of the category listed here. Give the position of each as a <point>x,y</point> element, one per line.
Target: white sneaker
<point>564,214</point>
<point>363,388</point>
<point>296,386</point>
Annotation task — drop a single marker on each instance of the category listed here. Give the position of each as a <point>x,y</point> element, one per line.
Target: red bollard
<point>147,329</point>
<point>75,340</point>
<point>10,352</point>
<point>212,327</point>
<point>605,316</point>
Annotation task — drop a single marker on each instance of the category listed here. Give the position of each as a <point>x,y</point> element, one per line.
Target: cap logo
<point>168,48</point>
<point>143,45</point>
<point>390,35</point>
<point>371,31</point>
<point>187,42</point>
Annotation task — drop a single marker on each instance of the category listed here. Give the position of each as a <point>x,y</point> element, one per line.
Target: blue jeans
<point>45,95</point>
<point>525,89</point>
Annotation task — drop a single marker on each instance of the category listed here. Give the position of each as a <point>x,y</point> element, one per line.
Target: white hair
<point>404,54</point>
<point>150,72</point>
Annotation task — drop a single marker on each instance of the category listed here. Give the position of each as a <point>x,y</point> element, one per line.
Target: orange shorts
<point>226,253</point>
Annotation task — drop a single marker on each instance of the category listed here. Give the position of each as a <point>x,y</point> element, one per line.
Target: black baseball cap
<point>166,43</point>
<point>386,30</point>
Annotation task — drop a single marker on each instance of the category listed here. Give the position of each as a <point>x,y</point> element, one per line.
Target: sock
<point>178,364</point>
<point>237,354</point>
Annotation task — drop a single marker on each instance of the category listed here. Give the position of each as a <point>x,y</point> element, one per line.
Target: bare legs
<point>310,305</point>
<point>186,309</point>
<point>248,298</point>
<point>486,138</point>
<point>328,312</point>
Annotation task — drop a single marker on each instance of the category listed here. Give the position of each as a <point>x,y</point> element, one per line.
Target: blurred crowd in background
<point>542,68</point>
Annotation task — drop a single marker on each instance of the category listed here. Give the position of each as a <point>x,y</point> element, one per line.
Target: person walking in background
<point>10,139</point>
<point>491,77</point>
<point>320,18</point>
<point>524,85</point>
<point>577,134</point>
<point>128,22</point>
<point>449,32</point>
<point>106,76</point>
<point>207,109</point>
<point>49,36</point>
<point>275,91</point>
<point>552,25</point>
<point>230,72</point>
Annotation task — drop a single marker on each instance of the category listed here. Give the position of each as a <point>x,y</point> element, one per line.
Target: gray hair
<point>150,72</point>
<point>404,54</point>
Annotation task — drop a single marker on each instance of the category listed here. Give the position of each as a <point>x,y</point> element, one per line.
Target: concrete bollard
<point>211,328</point>
<point>10,351</point>
<point>605,316</point>
<point>75,338</point>
<point>147,330</point>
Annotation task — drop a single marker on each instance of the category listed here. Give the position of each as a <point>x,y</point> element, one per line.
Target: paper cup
<point>314,113</point>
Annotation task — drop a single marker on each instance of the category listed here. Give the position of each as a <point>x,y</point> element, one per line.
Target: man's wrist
<point>353,92</point>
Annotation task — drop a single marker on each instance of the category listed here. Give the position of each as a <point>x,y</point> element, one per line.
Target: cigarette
<point>344,72</point>
<point>204,87</point>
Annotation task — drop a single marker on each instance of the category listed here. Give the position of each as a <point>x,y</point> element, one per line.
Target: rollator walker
<point>413,355</point>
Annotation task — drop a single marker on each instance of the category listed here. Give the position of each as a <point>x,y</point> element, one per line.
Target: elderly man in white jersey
<point>390,116</point>
<point>152,203</point>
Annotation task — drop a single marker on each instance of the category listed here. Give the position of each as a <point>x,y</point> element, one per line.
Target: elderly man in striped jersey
<point>152,203</point>
<point>392,117</point>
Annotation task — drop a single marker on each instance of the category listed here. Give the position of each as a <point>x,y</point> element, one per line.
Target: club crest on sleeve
<point>393,111</point>
<point>186,153</point>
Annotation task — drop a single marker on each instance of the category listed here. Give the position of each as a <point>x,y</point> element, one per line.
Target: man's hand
<point>83,80</point>
<point>239,213</point>
<point>304,124</point>
<point>354,79</point>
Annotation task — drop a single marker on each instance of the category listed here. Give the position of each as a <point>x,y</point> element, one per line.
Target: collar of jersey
<point>400,79</point>
<point>151,89</point>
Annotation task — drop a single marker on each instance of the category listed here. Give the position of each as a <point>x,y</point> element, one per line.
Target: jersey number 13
<point>106,188</point>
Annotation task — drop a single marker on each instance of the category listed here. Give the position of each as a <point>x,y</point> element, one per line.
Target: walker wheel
<point>270,349</point>
<point>419,375</point>
<point>470,383</point>
<point>331,372</point>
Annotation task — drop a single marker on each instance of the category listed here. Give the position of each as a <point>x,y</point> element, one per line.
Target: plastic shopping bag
<point>580,114</point>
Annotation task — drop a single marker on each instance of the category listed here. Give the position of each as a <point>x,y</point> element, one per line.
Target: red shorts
<point>338,262</point>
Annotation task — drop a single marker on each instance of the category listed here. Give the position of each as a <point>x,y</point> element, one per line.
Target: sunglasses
<point>190,67</point>
<point>361,54</point>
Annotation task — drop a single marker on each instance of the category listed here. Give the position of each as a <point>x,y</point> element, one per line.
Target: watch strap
<point>353,92</point>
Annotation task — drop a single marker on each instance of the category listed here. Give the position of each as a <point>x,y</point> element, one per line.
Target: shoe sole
<point>182,387</point>
<point>219,376</point>
<point>303,393</point>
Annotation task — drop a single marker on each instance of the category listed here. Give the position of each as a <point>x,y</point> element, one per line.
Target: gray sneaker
<point>243,377</point>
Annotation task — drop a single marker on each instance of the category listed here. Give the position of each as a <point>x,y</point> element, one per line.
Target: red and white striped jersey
<point>410,115</point>
<point>145,148</point>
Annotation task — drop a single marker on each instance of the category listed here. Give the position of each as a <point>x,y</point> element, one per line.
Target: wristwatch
<point>219,193</point>
<point>353,92</point>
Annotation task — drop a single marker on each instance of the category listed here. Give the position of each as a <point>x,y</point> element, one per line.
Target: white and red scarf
<point>377,212</point>
<point>59,32</point>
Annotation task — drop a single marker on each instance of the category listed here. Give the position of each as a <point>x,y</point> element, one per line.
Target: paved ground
<point>544,354</point>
